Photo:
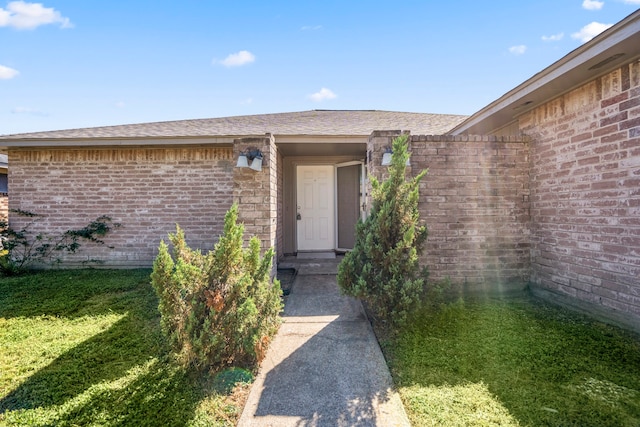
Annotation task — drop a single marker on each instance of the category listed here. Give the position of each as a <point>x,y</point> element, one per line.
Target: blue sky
<point>69,64</point>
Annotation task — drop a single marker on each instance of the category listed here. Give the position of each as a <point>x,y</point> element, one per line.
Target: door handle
<point>298,216</point>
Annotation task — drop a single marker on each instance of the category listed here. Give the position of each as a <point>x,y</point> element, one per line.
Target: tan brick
<point>585,256</point>
<point>78,185</point>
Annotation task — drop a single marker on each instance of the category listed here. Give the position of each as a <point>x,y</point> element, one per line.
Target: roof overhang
<point>329,145</point>
<point>616,46</point>
<point>113,142</point>
<point>298,145</point>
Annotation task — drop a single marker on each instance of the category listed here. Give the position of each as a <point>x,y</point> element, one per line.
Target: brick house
<point>541,187</point>
<point>4,190</point>
<point>582,115</point>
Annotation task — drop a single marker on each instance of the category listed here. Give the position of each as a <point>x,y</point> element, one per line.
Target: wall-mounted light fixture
<point>252,154</point>
<point>386,157</point>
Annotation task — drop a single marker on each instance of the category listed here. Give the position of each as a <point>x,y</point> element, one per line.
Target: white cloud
<point>311,28</point>
<point>7,73</point>
<point>120,104</point>
<point>322,95</point>
<point>592,4</point>
<point>518,50</point>
<point>29,111</point>
<point>553,37</point>
<point>631,1</point>
<point>589,31</point>
<point>247,101</point>
<point>238,59</point>
<point>27,16</point>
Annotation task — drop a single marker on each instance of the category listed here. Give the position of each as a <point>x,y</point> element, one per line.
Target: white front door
<point>315,211</point>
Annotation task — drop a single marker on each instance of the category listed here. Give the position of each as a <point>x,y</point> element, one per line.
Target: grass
<point>514,363</point>
<point>84,347</point>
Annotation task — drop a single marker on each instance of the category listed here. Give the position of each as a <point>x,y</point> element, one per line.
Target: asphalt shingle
<point>314,122</point>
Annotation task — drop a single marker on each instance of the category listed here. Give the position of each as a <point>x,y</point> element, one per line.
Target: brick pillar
<point>376,145</point>
<point>256,193</point>
<point>4,206</point>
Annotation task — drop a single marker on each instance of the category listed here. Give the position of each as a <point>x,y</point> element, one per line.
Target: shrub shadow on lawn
<point>154,394</point>
<point>104,357</point>
<point>120,376</point>
<point>76,293</point>
<point>160,396</point>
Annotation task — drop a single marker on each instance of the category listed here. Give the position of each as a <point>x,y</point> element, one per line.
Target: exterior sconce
<point>256,164</point>
<point>242,161</point>
<point>386,157</point>
<point>250,154</point>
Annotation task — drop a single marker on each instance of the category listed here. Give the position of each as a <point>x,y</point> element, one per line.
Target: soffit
<point>618,45</point>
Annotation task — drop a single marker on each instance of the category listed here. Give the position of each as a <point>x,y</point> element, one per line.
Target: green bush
<point>383,268</point>
<point>23,249</point>
<point>218,308</point>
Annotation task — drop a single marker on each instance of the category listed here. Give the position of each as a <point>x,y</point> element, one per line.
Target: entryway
<point>328,205</point>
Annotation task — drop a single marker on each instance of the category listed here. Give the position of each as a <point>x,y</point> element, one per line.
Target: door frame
<point>361,202</point>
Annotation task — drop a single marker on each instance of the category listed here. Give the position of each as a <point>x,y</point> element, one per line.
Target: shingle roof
<point>315,122</point>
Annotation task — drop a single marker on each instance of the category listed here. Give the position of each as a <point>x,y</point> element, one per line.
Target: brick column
<point>4,206</point>
<point>376,146</point>
<point>256,193</point>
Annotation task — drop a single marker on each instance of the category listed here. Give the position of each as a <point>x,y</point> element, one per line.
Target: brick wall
<point>4,206</point>
<point>256,192</point>
<point>148,190</point>
<point>585,195</point>
<point>475,202</point>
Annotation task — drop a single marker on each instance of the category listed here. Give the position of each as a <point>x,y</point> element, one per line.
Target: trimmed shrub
<point>383,268</point>
<point>220,308</point>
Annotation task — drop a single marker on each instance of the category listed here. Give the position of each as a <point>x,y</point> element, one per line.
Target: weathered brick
<point>612,119</point>
<point>634,102</point>
<point>614,100</point>
<point>586,256</point>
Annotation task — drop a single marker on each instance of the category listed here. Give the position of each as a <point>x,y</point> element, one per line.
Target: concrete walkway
<point>324,367</point>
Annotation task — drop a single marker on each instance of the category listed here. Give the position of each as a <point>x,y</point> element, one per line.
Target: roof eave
<point>606,52</point>
<point>120,141</point>
<point>222,140</point>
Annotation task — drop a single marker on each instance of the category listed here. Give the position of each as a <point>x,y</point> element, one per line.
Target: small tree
<point>219,308</point>
<point>383,268</point>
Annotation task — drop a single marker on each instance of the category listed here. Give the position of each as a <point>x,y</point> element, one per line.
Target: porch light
<point>242,161</point>
<point>250,154</point>
<point>256,164</point>
<point>386,157</point>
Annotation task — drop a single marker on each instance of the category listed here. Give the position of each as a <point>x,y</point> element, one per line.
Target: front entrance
<point>315,211</point>
<point>329,204</point>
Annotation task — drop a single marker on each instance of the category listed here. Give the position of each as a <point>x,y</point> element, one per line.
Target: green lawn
<point>514,362</point>
<point>84,347</point>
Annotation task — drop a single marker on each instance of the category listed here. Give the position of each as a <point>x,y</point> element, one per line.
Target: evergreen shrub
<point>383,268</point>
<point>220,308</point>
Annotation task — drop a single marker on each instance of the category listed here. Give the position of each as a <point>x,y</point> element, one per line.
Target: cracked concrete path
<point>324,367</point>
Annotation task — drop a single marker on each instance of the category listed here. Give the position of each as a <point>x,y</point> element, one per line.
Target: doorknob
<point>298,216</point>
